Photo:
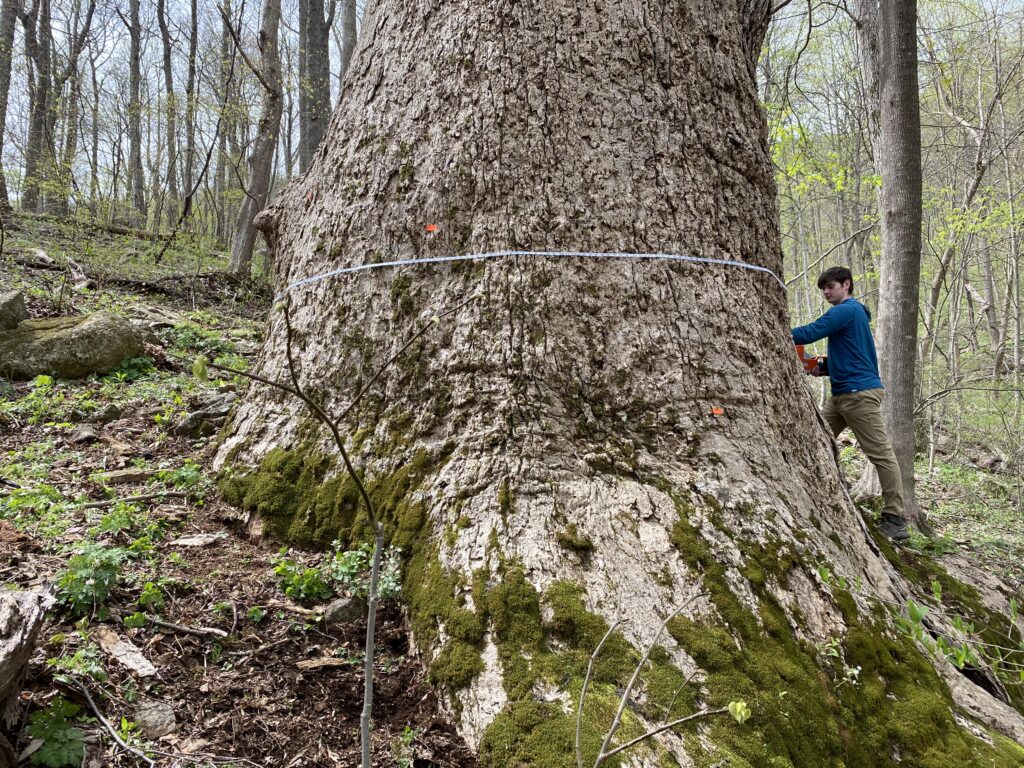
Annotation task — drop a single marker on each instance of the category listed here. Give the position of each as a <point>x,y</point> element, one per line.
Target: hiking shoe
<point>894,528</point>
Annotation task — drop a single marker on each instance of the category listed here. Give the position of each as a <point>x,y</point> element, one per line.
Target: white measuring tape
<point>546,254</point>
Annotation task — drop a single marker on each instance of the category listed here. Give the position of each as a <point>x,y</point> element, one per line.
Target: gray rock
<point>84,434</point>
<point>207,419</point>
<point>68,347</point>
<point>155,719</point>
<point>128,475</point>
<point>12,309</point>
<point>344,610</point>
<point>108,413</point>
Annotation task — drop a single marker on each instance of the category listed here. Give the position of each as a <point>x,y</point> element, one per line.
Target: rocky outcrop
<point>12,309</point>
<point>67,347</point>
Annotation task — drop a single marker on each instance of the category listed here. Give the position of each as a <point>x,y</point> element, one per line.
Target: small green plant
<point>121,517</point>
<point>152,596</point>
<point>189,476</point>
<point>256,614</point>
<point>176,559</point>
<point>136,620</point>
<point>133,369</point>
<point>299,583</point>
<point>351,570</point>
<point>62,745</point>
<point>92,573</point>
<point>402,747</point>
<point>85,662</point>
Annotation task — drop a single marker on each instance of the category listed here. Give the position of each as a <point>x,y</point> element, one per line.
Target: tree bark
<point>190,99</point>
<point>38,41</point>
<point>349,20</point>
<point>261,160</point>
<point>900,168</point>
<point>171,204</point>
<point>588,439</point>
<point>135,171</point>
<point>886,34</point>
<point>21,617</point>
<point>314,77</point>
<point>8,22</point>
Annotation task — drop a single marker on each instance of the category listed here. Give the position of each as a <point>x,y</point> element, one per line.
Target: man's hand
<point>818,371</point>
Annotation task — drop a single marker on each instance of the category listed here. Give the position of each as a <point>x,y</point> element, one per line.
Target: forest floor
<point>252,676</point>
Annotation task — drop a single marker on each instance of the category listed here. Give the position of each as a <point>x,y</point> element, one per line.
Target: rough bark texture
<point>38,41</point>
<point>8,22</point>
<point>262,158</point>
<point>348,36</point>
<point>135,172</point>
<point>589,439</point>
<point>21,616</point>
<point>314,76</point>
<point>172,120</point>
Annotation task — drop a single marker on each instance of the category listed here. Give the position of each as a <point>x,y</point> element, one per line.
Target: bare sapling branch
<point>607,750</point>
<point>333,425</point>
<point>583,692</point>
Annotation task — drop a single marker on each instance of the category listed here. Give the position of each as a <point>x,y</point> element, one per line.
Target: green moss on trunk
<point>802,716</point>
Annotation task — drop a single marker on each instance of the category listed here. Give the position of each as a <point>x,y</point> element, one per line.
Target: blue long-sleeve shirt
<point>852,361</point>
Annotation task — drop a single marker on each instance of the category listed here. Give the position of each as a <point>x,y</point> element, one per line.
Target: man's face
<point>835,293</point>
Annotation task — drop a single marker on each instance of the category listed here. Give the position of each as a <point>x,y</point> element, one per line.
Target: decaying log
<point>21,616</point>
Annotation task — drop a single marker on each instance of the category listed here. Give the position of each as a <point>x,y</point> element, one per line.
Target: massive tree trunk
<point>261,160</point>
<point>587,439</point>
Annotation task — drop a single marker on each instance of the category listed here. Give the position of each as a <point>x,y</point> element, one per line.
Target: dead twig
<point>197,631</point>
<point>131,499</point>
<point>109,728</point>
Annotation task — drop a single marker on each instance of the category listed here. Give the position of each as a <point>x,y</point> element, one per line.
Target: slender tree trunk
<point>586,439</point>
<point>171,205</point>
<point>94,152</point>
<point>314,77</point>
<point>261,159</point>
<point>38,41</point>
<point>900,167</point>
<point>190,99</point>
<point>349,21</point>
<point>8,23</point>
<point>220,177</point>
<point>135,170</point>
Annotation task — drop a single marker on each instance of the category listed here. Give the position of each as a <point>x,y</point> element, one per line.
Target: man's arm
<point>835,319</point>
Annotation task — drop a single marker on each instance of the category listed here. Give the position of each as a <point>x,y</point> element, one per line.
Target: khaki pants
<point>862,413</point>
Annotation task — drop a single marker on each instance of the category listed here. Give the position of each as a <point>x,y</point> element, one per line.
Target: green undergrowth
<point>962,601</point>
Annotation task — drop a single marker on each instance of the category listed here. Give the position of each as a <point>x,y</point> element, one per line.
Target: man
<point>857,389</point>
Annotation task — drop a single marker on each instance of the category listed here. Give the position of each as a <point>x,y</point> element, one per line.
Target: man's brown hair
<point>836,275</point>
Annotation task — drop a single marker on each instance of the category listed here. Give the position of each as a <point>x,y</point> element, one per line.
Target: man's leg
<point>833,417</point>
<point>863,414</point>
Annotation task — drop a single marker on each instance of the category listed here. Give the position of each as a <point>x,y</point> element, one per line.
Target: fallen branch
<point>114,229</point>
<point>132,499</point>
<point>197,631</point>
<point>109,728</point>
